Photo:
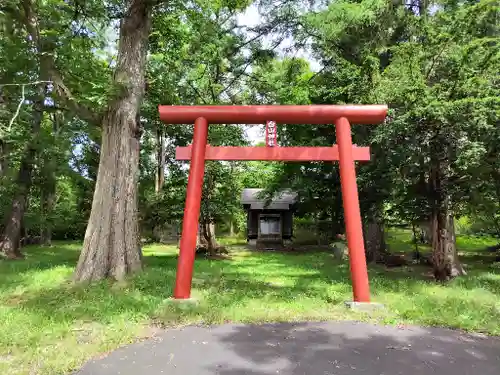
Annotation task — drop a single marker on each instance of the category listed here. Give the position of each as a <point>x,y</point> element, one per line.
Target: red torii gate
<point>345,152</point>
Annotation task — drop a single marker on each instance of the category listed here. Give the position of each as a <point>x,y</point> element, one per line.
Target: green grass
<point>49,326</point>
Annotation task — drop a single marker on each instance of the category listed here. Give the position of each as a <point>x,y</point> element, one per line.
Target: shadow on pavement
<point>305,349</point>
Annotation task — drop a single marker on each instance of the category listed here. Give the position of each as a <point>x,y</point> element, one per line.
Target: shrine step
<point>270,244</point>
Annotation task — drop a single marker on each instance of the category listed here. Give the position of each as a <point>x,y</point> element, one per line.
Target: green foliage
<point>67,221</point>
<point>165,207</point>
<point>441,88</point>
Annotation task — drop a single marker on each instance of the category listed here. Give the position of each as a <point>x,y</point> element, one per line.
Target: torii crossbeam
<point>341,115</point>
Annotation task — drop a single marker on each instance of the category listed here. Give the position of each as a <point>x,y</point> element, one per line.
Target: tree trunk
<point>209,236</point>
<point>422,7</point>
<point>3,158</point>
<point>47,203</point>
<point>375,245</point>
<point>426,235</point>
<point>444,252</point>
<point>416,252</point>
<point>111,246</point>
<point>160,160</point>
<point>495,174</point>
<point>159,175</point>
<point>11,234</point>
<point>317,229</point>
<point>231,228</point>
<point>48,193</point>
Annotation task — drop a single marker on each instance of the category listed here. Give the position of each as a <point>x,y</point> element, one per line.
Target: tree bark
<point>375,245</point>
<point>444,252</point>
<point>209,236</point>
<point>160,160</point>
<point>111,246</point>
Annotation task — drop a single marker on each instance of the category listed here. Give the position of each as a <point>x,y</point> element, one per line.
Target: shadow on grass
<point>224,284</point>
<point>41,257</point>
<point>260,278</point>
<point>15,273</point>
<point>44,309</point>
<point>103,301</point>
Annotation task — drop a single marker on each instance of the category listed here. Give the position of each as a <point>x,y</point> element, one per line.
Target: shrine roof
<point>282,200</point>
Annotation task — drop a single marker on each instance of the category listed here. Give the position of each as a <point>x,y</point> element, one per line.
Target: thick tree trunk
<point>444,252</point>
<point>375,246</point>
<point>160,160</point>
<point>11,234</point>
<point>208,231</point>
<point>112,245</point>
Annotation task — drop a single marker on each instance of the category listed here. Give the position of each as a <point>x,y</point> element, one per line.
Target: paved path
<point>333,348</point>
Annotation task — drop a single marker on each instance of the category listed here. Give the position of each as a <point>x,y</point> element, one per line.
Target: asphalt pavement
<point>326,348</point>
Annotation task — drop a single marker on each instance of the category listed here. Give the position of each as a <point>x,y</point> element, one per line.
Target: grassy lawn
<point>49,326</point>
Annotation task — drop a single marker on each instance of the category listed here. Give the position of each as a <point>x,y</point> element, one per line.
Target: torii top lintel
<point>287,114</point>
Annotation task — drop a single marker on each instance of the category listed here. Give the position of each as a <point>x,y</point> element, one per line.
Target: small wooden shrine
<point>269,221</point>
